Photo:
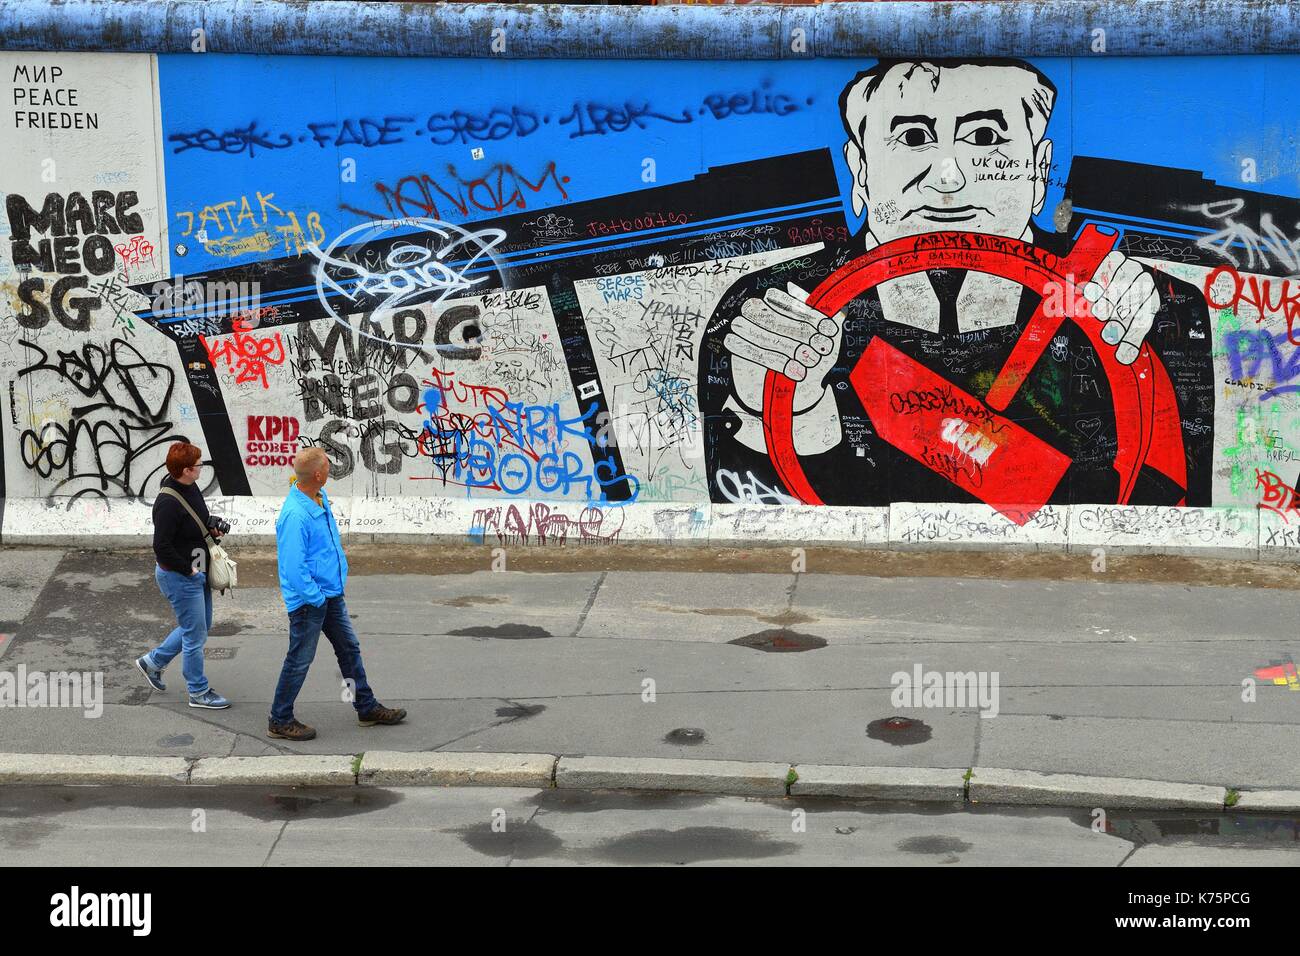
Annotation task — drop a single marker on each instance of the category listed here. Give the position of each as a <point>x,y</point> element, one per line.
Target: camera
<point>219,525</point>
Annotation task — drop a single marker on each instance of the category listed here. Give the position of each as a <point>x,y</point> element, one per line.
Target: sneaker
<point>382,715</point>
<point>293,730</point>
<point>209,700</point>
<point>152,674</point>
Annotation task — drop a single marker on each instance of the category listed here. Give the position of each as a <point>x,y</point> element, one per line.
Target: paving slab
<point>698,607</point>
<point>1210,695</point>
<point>951,609</point>
<point>24,572</point>
<point>96,613</point>
<point>122,729</point>
<point>429,724</point>
<point>444,604</point>
<point>1193,751</point>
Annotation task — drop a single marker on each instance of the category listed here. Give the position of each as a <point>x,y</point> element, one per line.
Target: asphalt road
<point>253,826</point>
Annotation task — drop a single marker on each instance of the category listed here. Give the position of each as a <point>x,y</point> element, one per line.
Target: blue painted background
<point>1200,113</point>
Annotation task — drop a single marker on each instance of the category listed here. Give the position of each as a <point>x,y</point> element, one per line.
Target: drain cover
<point>219,653</point>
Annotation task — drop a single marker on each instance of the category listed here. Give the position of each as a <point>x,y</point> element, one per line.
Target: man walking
<point>313,571</point>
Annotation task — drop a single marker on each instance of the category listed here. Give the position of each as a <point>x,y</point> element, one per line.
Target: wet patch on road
<point>691,845</point>
<point>470,600</point>
<point>277,804</point>
<point>136,696</point>
<point>780,640</point>
<point>685,737</point>
<point>509,632</point>
<point>1232,829</point>
<point>318,804</point>
<point>227,629</point>
<point>592,801</point>
<point>26,835</point>
<point>518,841</point>
<point>520,711</point>
<point>899,731</point>
<point>934,845</point>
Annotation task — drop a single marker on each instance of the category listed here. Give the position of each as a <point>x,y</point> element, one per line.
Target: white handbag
<point>223,573</point>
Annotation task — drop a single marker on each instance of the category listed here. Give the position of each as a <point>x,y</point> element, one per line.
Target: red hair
<point>182,455</point>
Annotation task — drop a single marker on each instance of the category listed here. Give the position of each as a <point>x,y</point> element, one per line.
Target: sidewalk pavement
<point>702,654</point>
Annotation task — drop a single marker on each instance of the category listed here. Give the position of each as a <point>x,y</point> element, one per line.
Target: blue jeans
<point>305,627</point>
<point>192,601</point>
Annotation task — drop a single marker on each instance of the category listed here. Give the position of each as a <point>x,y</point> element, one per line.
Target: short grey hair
<point>1038,101</point>
<point>308,461</point>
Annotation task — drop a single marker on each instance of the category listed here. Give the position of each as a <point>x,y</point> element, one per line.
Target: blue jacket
<point>313,566</point>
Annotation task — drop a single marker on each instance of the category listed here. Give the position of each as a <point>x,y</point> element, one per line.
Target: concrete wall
<point>1030,285</point>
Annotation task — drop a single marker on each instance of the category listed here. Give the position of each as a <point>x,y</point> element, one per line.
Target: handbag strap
<point>186,505</point>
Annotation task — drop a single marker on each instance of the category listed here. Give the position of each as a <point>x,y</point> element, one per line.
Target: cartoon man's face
<point>949,148</point>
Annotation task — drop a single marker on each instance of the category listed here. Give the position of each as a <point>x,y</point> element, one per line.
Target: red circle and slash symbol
<point>978,449</point>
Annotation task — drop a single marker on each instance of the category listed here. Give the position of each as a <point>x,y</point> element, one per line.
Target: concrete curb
<point>388,768</point>
<point>991,785</point>
<point>742,778</point>
<point>1268,801</point>
<point>982,785</point>
<point>300,770</point>
<point>880,783</point>
<point>99,769</point>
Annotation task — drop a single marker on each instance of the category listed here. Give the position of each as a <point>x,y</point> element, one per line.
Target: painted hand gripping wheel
<point>1019,471</point>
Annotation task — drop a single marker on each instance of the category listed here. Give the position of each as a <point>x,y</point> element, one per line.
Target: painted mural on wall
<point>812,283</point>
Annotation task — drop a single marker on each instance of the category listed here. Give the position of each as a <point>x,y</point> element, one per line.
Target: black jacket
<point>175,535</point>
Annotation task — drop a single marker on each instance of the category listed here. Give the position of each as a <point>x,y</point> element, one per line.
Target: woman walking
<point>181,549</point>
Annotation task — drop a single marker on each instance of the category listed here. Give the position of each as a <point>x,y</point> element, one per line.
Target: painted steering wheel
<point>1146,408</point>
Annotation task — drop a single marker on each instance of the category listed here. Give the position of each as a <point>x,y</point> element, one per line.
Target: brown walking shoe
<point>293,730</point>
<point>382,715</point>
